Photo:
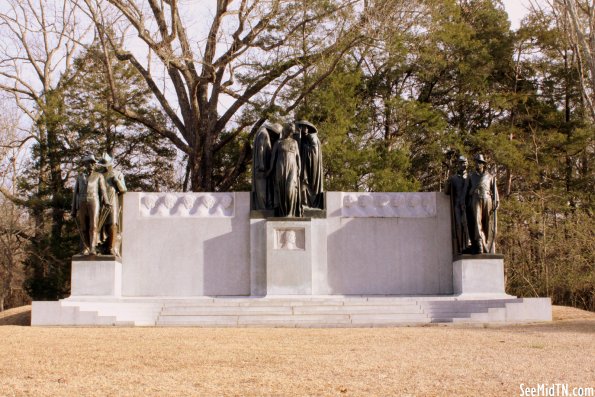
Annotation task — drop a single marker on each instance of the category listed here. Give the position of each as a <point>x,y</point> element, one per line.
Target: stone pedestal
<point>478,274</point>
<point>289,256</point>
<point>96,276</point>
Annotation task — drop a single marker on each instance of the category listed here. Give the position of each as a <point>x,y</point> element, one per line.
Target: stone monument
<point>369,259</point>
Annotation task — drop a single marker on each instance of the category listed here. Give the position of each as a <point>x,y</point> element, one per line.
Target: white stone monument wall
<point>388,243</point>
<point>196,244</point>
<point>186,244</point>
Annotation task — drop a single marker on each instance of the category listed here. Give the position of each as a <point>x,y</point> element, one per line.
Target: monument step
<point>294,320</point>
<point>296,301</point>
<point>215,309</point>
<point>291,311</point>
<point>354,309</point>
<point>224,310</point>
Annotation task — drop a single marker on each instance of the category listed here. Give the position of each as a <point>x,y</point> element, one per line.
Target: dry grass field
<point>420,361</point>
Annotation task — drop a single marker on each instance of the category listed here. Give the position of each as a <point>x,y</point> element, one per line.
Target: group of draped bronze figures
<point>287,172</point>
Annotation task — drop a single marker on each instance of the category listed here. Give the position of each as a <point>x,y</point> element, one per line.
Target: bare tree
<point>38,41</point>
<point>14,225</point>
<point>253,54</point>
<point>580,17</point>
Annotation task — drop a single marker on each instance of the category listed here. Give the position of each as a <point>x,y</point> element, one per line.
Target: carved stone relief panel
<point>388,205</point>
<point>187,205</point>
<point>291,239</point>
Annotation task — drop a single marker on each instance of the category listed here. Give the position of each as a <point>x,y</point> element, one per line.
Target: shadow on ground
<point>20,316</point>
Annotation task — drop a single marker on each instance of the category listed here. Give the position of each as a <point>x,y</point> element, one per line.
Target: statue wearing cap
<point>484,201</point>
<point>116,187</point>
<point>457,188</point>
<point>262,185</point>
<point>88,195</point>
<point>311,168</point>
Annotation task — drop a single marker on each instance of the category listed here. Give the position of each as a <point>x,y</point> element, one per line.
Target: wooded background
<point>175,90</point>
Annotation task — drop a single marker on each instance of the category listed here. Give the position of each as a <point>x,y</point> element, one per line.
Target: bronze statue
<point>484,201</point>
<point>112,217</point>
<point>262,185</point>
<point>311,168</point>
<point>89,194</point>
<point>285,169</point>
<point>457,188</point>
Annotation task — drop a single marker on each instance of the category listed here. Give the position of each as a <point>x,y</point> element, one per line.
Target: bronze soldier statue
<point>311,168</point>
<point>89,193</point>
<point>116,187</point>
<point>484,201</point>
<point>457,188</point>
<point>262,185</point>
<point>285,169</point>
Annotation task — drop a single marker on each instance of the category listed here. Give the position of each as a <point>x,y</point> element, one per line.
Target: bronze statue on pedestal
<point>483,200</point>
<point>90,193</point>
<point>285,169</point>
<point>262,184</point>
<point>312,176</point>
<point>457,188</point>
<point>116,187</point>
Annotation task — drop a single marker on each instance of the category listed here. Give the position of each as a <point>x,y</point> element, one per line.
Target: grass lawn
<point>416,361</point>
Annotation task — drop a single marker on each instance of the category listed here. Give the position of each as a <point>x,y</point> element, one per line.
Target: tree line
<point>398,89</point>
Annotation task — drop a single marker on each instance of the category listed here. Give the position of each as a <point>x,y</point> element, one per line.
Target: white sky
<point>516,9</point>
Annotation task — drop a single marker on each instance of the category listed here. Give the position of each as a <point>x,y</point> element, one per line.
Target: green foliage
<point>77,119</point>
<point>354,159</point>
<point>147,159</point>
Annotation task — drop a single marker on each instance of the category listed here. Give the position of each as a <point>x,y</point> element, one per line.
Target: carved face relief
<point>290,239</point>
<point>349,201</point>
<point>188,202</point>
<point>208,201</point>
<point>381,200</point>
<point>226,201</point>
<point>397,201</point>
<point>414,201</point>
<point>169,201</point>
<point>149,202</point>
<point>365,201</point>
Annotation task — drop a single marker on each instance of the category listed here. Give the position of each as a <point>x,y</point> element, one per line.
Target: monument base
<point>479,275</point>
<point>289,256</point>
<point>96,276</point>
<point>291,311</point>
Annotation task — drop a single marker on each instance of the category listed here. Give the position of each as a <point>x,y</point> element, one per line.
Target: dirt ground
<point>416,361</point>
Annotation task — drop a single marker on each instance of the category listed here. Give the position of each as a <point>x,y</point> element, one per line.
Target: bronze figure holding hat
<point>89,194</point>
<point>483,200</point>
<point>116,187</point>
